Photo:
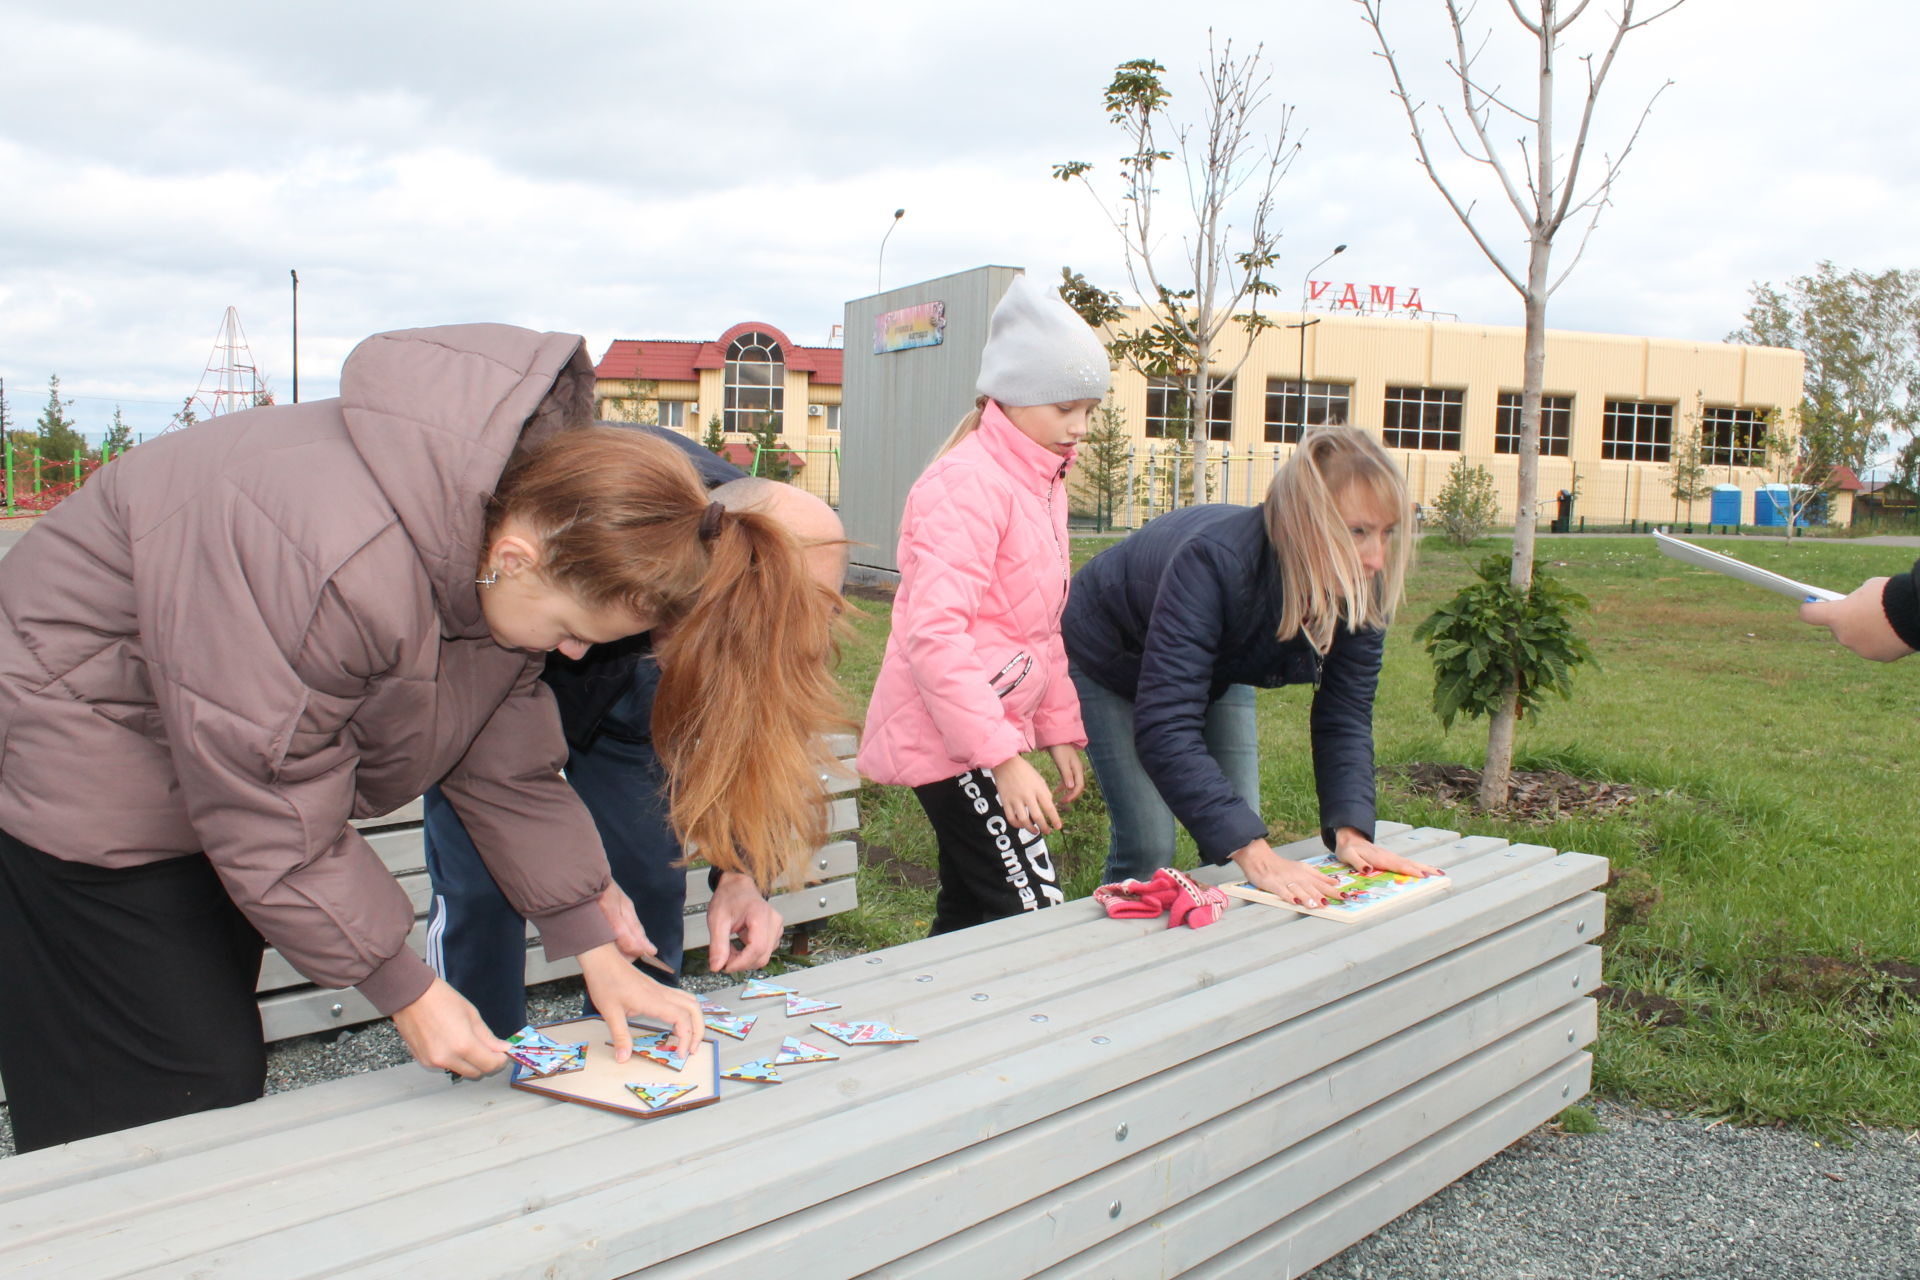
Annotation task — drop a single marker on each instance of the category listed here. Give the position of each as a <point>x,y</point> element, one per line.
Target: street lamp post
<point>296,335</point>
<point>1306,324</point>
<point>882,262</point>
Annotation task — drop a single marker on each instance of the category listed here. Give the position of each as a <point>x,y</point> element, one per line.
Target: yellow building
<point>749,374</point>
<point>1615,410</point>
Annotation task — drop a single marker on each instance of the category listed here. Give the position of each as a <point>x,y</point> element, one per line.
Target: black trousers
<point>988,868</point>
<point>126,995</point>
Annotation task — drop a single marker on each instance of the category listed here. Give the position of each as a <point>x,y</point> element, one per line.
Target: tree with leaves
<point>1104,461</point>
<point>1467,505</point>
<point>119,437</point>
<point>715,440</point>
<point>1861,337</point>
<point>1215,282</point>
<point>769,451</point>
<point>57,438</point>
<point>1540,180</point>
<point>1687,478</point>
<point>183,417</point>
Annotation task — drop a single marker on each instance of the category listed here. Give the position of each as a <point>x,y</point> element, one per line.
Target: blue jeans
<point>1141,825</point>
<point>477,941</point>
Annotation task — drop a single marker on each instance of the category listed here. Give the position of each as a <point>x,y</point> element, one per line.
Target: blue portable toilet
<point>1771,503</point>
<point>1726,505</point>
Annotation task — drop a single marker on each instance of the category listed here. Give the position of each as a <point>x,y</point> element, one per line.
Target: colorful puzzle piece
<point>659,1047</point>
<point>798,1004</point>
<point>655,1096</point>
<point>542,1055</point>
<point>709,1006</point>
<point>864,1032</point>
<point>732,1024</point>
<point>757,989</point>
<point>794,1049</point>
<point>759,1071</point>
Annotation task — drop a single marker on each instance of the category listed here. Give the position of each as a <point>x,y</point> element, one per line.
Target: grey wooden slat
<point>597,1195</point>
<point>1341,1057</point>
<point>152,1146</point>
<point>412,811</point>
<point>1241,1171</point>
<point>1303,1241</point>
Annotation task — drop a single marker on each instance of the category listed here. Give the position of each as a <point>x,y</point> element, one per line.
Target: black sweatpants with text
<point>988,867</point>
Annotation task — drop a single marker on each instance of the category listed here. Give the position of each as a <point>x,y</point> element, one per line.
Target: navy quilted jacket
<point>1189,605</point>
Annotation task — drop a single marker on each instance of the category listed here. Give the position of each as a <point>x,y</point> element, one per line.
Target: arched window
<point>756,381</point>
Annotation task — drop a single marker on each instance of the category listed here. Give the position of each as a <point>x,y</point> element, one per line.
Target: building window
<point>1556,424</point>
<point>833,417</point>
<point>1733,437</point>
<point>756,381</point>
<point>673,413</point>
<point>1636,431</point>
<point>1289,412</point>
<point>1167,414</point>
<point>1422,418</point>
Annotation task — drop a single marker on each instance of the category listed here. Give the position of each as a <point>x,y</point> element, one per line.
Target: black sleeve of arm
<point>1901,600</point>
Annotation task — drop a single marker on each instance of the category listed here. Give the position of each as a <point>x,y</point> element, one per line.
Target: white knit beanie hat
<point>1039,350</point>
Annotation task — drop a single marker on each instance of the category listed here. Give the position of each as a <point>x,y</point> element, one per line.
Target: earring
<point>493,576</point>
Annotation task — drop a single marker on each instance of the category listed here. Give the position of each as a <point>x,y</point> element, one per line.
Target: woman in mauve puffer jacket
<point>975,673</point>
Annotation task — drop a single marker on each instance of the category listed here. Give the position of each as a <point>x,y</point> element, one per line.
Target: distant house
<point>1881,500</point>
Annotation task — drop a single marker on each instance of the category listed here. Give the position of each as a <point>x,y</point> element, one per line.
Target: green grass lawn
<point>1763,932</point>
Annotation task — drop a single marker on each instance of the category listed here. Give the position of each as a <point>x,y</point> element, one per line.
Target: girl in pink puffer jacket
<point>975,673</point>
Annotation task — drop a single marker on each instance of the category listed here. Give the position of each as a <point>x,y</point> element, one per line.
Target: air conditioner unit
<point>816,411</point>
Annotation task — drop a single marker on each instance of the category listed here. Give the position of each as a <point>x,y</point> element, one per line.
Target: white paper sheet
<point>1740,569</point>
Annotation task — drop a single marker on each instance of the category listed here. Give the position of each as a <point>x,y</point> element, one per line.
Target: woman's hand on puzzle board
<point>1297,882</point>
<point>619,991</point>
<point>739,911</point>
<point>445,1032</point>
<point>1363,855</point>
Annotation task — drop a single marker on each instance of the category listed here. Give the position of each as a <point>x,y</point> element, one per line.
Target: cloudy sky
<point>650,170</point>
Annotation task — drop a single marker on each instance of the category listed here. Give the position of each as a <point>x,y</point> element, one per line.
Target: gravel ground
<point>1652,1197</point>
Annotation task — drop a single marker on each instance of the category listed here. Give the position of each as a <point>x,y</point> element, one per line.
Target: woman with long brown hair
<point>240,637</point>
<point>1169,633</point>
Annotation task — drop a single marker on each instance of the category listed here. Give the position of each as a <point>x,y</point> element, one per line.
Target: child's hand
<point>1859,622</point>
<point>1363,855</point>
<point>1297,882</point>
<point>1073,774</point>
<point>1024,796</point>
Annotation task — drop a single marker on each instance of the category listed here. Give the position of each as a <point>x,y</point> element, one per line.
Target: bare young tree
<point>1217,277</point>
<point>1546,195</point>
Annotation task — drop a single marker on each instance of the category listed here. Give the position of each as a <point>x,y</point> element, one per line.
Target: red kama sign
<point>1365,297</point>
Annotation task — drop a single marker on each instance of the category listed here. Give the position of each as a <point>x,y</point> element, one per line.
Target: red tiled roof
<point>1846,481</point>
<point>654,360</point>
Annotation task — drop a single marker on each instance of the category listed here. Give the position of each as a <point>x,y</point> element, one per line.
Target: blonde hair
<point>967,426</point>
<point>1322,582</point>
<point>745,691</point>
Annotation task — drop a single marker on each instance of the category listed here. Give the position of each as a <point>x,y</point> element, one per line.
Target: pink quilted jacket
<point>975,670</point>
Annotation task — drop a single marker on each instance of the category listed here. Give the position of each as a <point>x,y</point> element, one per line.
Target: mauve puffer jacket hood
<point>238,637</point>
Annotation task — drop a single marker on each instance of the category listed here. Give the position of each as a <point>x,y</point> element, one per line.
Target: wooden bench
<point>1089,1097</point>
<point>291,1006</point>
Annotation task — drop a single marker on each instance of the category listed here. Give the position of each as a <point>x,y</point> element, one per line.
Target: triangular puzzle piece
<point>798,1004</point>
<point>542,1055</point>
<point>655,1096</point>
<point>793,1049</point>
<point>864,1032</point>
<point>759,989</point>
<point>732,1024</point>
<point>660,1048</point>
<point>759,1071</point>
<point>709,1006</point>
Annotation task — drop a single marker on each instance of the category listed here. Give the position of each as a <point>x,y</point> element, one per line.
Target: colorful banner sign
<point>910,327</point>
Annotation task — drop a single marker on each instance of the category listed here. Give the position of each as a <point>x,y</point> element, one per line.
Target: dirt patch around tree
<point>882,858</point>
<point>1538,796</point>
